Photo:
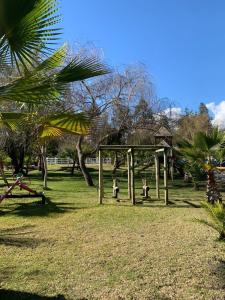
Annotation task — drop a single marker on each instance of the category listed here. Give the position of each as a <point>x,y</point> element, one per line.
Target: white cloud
<point>173,112</point>
<point>218,111</point>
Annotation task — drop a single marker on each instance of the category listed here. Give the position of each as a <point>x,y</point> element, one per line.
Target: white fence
<point>94,161</point>
<point>69,161</point>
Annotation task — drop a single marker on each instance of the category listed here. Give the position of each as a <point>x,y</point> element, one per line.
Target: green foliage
<point>217,215</point>
<point>195,170</point>
<point>203,147</point>
<point>52,147</point>
<point>4,157</point>
<point>69,152</point>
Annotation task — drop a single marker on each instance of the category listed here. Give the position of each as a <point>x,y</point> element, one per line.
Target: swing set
<point>131,149</point>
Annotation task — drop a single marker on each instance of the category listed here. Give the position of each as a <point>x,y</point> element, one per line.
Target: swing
<point>145,187</point>
<point>115,189</point>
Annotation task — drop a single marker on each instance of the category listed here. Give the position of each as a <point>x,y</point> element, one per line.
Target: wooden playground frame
<point>130,168</point>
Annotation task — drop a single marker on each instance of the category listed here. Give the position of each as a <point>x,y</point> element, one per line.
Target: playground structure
<point>131,149</point>
<point>22,186</point>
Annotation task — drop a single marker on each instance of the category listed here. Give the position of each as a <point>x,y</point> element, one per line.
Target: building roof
<point>163,132</point>
<point>163,144</point>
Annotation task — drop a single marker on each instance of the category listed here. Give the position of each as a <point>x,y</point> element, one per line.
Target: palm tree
<point>31,70</point>
<point>203,153</point>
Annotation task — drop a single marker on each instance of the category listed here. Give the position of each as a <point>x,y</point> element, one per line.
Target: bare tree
<point>110,102</point>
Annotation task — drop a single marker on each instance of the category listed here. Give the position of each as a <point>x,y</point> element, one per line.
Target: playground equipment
<point>22,186</point>
<point>157,150</point>
<point>115,188</point>
<point>145,189</point>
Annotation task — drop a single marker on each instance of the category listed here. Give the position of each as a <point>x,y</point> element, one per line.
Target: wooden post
<point>100,188</point>
<point>157,170</point>
<point>165,177</point>
<point>128,176</point>
<point>132,178</point>
<point>172,165</point>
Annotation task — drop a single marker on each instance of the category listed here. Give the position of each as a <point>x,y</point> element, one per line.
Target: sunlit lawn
<point>77,249</point>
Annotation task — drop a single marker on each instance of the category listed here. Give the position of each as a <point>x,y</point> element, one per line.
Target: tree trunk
<point>45,168</point>
<point>17,158</point>
<point>117,163</point>
<point>3,173</point>
<point>212,193</point>
<point>81,158</point>
<point>75,165</point>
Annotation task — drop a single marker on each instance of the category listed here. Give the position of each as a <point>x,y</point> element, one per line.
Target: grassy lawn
<point>72,248</point>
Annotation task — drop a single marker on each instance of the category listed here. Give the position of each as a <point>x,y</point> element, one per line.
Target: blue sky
<point>181,42</point>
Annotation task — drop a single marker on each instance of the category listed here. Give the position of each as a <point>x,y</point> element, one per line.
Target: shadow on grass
<point>16,295</point>
<point>37,209</point>
<point>151,203</point>
<point>12,237</point>
<point>220,271</point>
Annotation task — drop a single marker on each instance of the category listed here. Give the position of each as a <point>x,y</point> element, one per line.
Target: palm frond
<point>217,215</point>
<point>27,27</point>
<point>30,89</point>
<point>200,141</point>
<point>45,83</point>
<point>56,60</point>
<point>81,68</point>
<point>59,124</point>
<point>210,224</point>
<point>49,131</point>
<point>12,120</point>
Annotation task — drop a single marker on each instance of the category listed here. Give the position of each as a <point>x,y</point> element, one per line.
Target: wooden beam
<point>160,150</point>
<point>132,178</point>
<point>128,176</point>
<point>165,171</point>
<point>100,182</point>
<point>127,147</point>
<point>157,172</point>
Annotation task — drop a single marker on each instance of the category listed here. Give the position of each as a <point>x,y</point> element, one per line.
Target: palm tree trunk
<point>81,158</point>
<point>212,193</point>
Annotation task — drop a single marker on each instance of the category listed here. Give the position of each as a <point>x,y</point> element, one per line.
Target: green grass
<point>75,248</point>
